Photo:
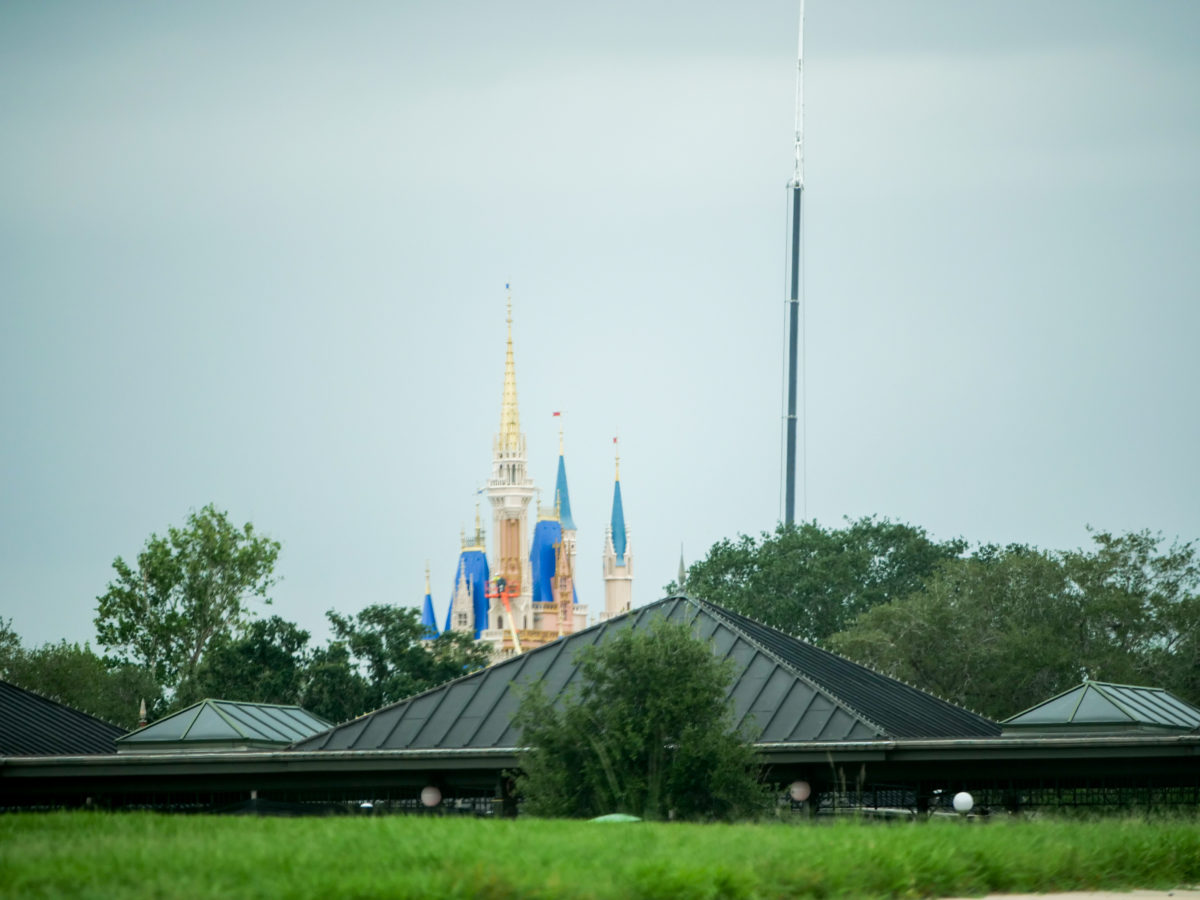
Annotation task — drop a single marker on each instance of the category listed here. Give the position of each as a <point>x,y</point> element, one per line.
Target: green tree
<point>77,677</point>
<point>386,642</point>
<point>648,733</point>
<point>811,581</point>
<point>10,642</point>
<point>1007,628</point>
<point>334,689</point>
<point>268,663</point>
<point>187,590</point>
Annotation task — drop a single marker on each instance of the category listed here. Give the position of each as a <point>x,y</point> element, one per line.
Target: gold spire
<point>510,420</point>
<point>617,452</point>
<point>475,542</point>
<point>427,590</point>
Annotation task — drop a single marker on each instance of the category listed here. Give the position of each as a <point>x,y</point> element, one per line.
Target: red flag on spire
<point>556,413</point>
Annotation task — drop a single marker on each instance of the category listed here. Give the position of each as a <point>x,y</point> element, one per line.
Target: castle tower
<point>428,621</point>
<point>556,607</point>
<point>509,490</point>
<point>618,560</point>
<point>562,503</point>
<point>469,603</point>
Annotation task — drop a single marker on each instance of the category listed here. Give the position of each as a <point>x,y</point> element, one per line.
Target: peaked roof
<point>473,567</point>
<point>225,722</point>
<point>428,620</point>
<point>618,523</point>
<point>1098,704</point>
<point>561,497</point>
<point>784,690</point>
<point>33,725</point>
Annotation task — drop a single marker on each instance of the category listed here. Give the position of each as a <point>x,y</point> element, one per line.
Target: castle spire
<point>562,499</point>
<point>428,622</point>
<point>618,561</point>
<point>510,419</point>
<point>618,514</point>
<point>510,491</point>
<point>618,519</point>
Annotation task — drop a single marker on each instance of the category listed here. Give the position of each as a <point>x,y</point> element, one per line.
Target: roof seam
<point>814,685</point>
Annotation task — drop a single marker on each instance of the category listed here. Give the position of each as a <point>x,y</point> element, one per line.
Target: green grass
<point>148,855</point>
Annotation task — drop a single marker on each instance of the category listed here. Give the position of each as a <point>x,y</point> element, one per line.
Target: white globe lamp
<point>431,796</point>
<point>963,802</point>
<point>799,791</point>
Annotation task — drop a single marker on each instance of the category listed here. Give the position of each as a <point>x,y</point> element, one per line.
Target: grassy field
<point>148,855</point>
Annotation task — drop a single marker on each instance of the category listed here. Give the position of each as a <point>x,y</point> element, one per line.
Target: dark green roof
<point>33,725</point>
<point>1100,705</point>
<point>784,690</point>
<point>223,724</point>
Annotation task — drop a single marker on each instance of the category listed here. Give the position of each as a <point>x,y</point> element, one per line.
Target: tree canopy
<point>267,663</point>
<point>76,676</point>
<point>386,642</point>
<point>1008,627</point>
<point>811,581</point>
<point>649,733</point>
<point>188,589</point>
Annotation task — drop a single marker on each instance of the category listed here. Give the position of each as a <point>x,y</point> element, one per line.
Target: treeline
<point>178,625</point>
<point>995,629</point>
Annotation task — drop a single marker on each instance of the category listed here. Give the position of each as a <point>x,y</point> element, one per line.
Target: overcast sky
<point>255,255</point>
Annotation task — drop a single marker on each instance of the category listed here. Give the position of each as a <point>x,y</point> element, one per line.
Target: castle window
<point>500,622</point>
<point>462,620</point>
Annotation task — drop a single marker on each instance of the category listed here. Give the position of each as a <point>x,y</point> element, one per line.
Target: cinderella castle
<point>525,595</point>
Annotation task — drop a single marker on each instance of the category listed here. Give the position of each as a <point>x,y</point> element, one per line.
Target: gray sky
<point>255,254</point>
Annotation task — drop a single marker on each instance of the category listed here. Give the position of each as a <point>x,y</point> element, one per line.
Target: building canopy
<point>1098,706</point>
<point>224,725</point>
<point>784,690</point>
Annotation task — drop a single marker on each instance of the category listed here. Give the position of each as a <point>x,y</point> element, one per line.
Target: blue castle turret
<point>469,603</point>
<point>618,560</point>
<point>428,621</point>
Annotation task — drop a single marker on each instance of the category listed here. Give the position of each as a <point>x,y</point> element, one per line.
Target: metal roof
<point>33,725</point>
<point>1098,704</point>
<point>225,723</point>
<point>784,690</point>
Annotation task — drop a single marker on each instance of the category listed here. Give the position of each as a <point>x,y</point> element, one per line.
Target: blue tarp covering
<point>618,524</point>
<point>428,620</point>
<point>547,533</point>
<point>544,562</point>
<point>472,564</point>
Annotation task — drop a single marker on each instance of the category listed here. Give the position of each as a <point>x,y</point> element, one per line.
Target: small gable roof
<point>33,725</point>
<point>784,690</point>
<point>1098,705</point>
<point>222,724</point>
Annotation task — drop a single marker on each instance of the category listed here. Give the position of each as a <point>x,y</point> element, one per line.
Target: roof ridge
<point>1115,701</point>
<point>224,716</point>
<point>816,686</point>
<point>478,672</point>
<point>256,703</point>
<point>57,701</point>
<point>854,662</point>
